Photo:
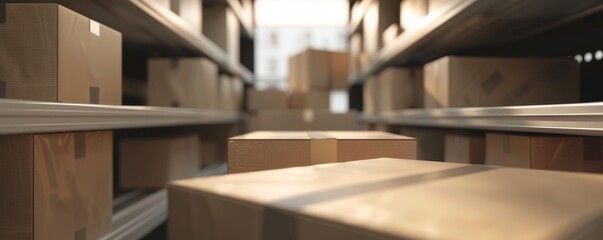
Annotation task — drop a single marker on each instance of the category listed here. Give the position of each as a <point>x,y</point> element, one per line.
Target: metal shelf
<point>147,24</point>
<point>20,117</point>
<point>356,18</point>
<point>574,119</point>
<point>146,211</point>
<point>474,24</point>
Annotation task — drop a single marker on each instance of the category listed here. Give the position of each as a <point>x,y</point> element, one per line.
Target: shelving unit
<point>357,16</point>
<point>472,24</point>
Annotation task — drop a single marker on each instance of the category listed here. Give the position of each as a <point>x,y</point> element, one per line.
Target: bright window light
<point>301,13</point>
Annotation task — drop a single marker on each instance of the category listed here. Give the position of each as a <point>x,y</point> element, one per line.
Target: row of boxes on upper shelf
<point>523,150</point>
<point>474,82</point>
<point>58,185</point>
<point>313,75</point>
<point>384,21</point>
<point>217,22</point>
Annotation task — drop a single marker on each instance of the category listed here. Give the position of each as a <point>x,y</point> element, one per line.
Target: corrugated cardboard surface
<point>313,99</point>
<point>221,26</point>
<point>399,88</point>
<point>473,81</point>
<point>304,120</point>
<point>263,150</point>
<point>153,162</point>
<point>60,185</point>
<point>464,148</point>
<point>411,12</point>
<point>390,199</point>
<point>50,54</point>
<point>266,99</point>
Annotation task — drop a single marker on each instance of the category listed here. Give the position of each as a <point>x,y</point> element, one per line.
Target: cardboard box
<point>314,99</point>
<point>51,53</point>
<point>221,26</point>
<point>190,11</point>
<point>542,152</point>
<point>304,120</point>
<point>185,82</point>
<point>153,162</point>
<point>262,150</point>
<point>399,88</point>
<point>412,12</point>
<point>369,96</point>
<point>318,70</point>
<point>430,142</point>
<point>230,93</point>
<point>483,82</point>
<point>390,34</point>
<point>378,17</point>
<point>266,99</point>
<point>464,148</point>
<point>56,186</point>
<point>355,53</point>
<point>387,199</point>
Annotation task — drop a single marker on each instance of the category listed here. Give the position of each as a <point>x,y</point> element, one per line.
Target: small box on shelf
<point>464,148</point>
<point>221,26</point>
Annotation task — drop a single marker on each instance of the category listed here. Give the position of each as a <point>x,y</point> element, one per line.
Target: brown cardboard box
<point>430,142</point>
<point>355,52</point>
<point>238,87</point>
<point>266,99</point>
<point>318,70</point>
<point>304,120</point>
<point>186,82</point>
<point>412,12</point>
<point>50,53</point>
<point>339,63</point>
<point>464,148</point>
<point>270,150</point>
<point>190,11</point>
<point>542,152</point>
<point>379,16</point>
<point>229,94</point>
<point>400,88</point>
<point>387,199</point>
<point>369,96</point>
<point>482,82</point>
<point>221,26</point>
<point>153,162</point>
<point>56,186</point>
<point>313,99</point>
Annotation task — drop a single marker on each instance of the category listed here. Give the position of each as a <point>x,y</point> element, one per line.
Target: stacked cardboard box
<point>56,186</point>
<point>464,148</point>
<point>231,93</point>
<point>270,150</point>
<point>258,100</point>
<point>370,97</point>
<point>567,153</point>
<point>221,26</point>
<point>481,82</point>
<point>388,199</point>
<point>153,162</point>
<point>50,53</point>
<point>394,88</point>
<point>303,120</point>
<point>184,82</point>
<point>318,70</point>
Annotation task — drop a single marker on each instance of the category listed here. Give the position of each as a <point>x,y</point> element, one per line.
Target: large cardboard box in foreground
<point>184,82</point>
<point>483,82</point>
<point>567,153</point>
<point>264,150</point>
<point>56,186</point>
<point>153,162</point>
<point>318,70</point>
<point>388,199</point>
<point>50,53</point>
<point>304,120</point>
<point>399,88</point>
<point>464,148</point>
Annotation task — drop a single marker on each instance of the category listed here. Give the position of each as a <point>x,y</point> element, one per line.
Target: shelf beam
<point>573,119</point>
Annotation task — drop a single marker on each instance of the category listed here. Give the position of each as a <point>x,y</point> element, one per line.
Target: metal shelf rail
<point>574,119</point>
<point>22,117</point>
